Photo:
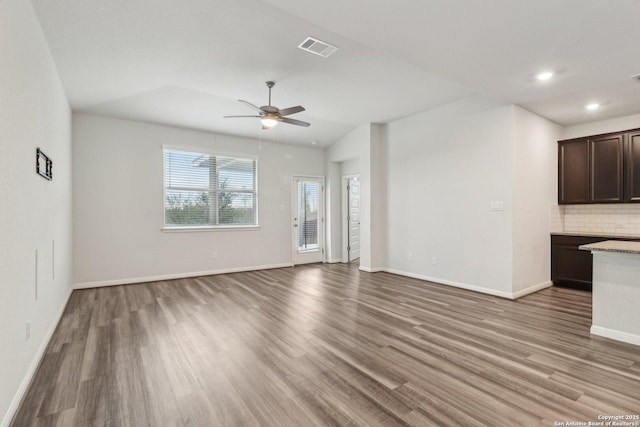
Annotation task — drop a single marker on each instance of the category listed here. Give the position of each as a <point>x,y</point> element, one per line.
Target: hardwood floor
<point>326,345</point>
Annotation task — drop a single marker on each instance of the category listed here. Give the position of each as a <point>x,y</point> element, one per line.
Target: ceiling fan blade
<point>233,117</point>
<point>291,110</point>
<point>250,105</point>
<point>294,122</point>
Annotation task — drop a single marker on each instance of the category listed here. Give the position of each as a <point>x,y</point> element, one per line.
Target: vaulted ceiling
<point>186,63</point>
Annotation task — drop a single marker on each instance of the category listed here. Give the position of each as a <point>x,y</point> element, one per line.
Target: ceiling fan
<point>271,116</point>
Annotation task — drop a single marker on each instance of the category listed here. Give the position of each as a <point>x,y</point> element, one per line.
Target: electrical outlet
<point>434,260</point>
<point>214,255</point>
<point>410,257</point>
<point>28,330</point>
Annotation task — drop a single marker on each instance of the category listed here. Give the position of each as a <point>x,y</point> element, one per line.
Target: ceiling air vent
<point>317,47</point>
<point>636,78</point>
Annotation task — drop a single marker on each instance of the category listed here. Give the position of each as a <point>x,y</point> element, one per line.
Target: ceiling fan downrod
<point>270,84</point>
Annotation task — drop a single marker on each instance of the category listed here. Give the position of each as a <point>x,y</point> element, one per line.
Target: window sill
<point>200,228</point>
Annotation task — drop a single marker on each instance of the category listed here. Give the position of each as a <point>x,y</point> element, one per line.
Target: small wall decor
<point>44,165</point>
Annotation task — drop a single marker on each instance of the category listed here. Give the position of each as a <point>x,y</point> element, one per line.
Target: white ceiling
<point>186,63</point>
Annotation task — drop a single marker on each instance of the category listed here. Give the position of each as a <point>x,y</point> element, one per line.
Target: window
<point>205,190</point>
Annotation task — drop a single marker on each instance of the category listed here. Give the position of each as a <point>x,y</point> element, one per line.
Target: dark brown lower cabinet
<point>571,267</point>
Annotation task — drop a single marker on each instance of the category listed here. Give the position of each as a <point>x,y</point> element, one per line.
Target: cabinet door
<point>633,167</point>
<point>607,168</point>
<point>573,171</point>
<point>571,267</point>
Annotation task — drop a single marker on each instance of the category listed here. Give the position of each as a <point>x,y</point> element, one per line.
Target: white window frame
<point>168,228</point>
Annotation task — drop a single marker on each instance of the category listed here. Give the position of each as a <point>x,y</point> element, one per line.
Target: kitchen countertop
<point>619,246</point>
<point>603,235</point>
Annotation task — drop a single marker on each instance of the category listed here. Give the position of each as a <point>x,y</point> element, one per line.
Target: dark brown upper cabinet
<point>573,171</point>
<point>632,193</point>
<point>606,168</point>
<point>592,169</point>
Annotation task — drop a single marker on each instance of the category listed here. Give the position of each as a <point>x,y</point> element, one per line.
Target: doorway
<point>351,218</point>
<point>308,220</point>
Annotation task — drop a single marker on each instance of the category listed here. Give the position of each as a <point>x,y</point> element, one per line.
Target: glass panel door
<point>307,220</point>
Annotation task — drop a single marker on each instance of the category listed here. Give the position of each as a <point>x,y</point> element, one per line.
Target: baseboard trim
<point>372,270</point>
<point>334,261</point>
<point>615,335</point>
<point>460,285</point>
<point>117,282</point>
<point>35,363</point>
<point>532,289</point>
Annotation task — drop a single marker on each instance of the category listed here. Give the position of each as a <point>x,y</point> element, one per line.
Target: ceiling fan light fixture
<point>271,115</point>
<point>546,75</point>
<point>269,121</point>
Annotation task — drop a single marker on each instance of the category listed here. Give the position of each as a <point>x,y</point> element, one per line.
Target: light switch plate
<point>497,205</point>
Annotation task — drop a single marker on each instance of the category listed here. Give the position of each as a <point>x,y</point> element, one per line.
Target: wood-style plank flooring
<point>326,345</point>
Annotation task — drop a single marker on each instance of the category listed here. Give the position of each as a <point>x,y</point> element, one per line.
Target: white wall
<point>534,192</point>
<point>601,126</point>
<point>34,112</point>
<point>362,151</point>
<point>350,167</point>
<point>445,166</point>
<point>353,148</point>
<point>378,196</point>
<point>333,223</point>
<point>118,199</point>
<point>615,297</point>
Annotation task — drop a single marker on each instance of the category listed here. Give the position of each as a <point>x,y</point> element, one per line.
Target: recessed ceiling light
<point>545,75</point>
<point>314,142</point>
<point>592,107</point>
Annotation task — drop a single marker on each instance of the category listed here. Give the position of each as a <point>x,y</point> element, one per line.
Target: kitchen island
<point>616,290</point>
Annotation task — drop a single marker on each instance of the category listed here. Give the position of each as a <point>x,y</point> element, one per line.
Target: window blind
<point>203,189</point>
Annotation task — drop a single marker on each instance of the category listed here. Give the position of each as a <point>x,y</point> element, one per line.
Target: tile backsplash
<point>610,219</point>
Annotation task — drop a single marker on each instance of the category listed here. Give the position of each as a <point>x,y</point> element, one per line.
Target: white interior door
<point>353,218</point>
<point>308,220</point>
